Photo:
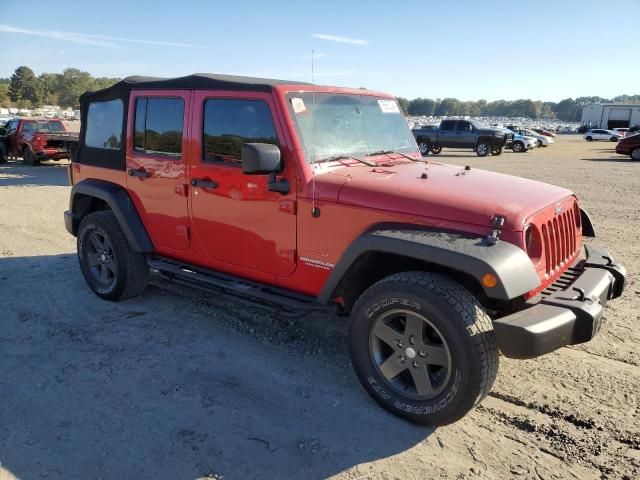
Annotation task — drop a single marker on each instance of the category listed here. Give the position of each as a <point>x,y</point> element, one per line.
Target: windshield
<point>352,125</point>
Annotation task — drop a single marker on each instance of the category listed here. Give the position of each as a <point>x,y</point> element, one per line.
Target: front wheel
<point>589,139</point>
<point>436,150</point>
<point>483,149</point>
<point>613,139</point>
<point>635,154</point>
<point>423,347</point>
<point>518,147</point>
<point>496,151</point>
<point>111,268</point>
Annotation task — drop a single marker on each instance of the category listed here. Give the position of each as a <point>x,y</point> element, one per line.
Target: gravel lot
<point>179,384</point>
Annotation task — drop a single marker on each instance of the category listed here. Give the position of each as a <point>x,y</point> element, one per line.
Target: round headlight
<point>533,242</point>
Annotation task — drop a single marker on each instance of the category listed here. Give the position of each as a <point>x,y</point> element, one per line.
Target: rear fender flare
<point>473,256</point>
<point>120,203</point>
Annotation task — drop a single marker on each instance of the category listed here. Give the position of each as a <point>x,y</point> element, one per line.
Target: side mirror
<point>264,159</point>
<point>260,158</point>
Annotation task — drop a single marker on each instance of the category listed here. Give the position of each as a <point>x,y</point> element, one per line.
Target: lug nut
<point>416,364</point>
<point>412,340</point>
<point>422,353</point>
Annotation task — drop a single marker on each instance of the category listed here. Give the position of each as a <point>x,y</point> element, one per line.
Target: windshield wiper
<point>388,152</point>
<point>345,157</point>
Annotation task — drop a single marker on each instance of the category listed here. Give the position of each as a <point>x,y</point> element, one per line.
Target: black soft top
<point>197,81</point>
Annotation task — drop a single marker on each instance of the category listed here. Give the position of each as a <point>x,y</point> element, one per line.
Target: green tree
<point>73,83</point>
<point>404,104</point>
<point>23,87</point>
<point>567,109</point>
<point>422,106</point>
<point>5,100</point>
<point>50,83</point>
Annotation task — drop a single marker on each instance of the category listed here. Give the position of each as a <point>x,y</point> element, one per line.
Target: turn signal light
<point>489,280</point>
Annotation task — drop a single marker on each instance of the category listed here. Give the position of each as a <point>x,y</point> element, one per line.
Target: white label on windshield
<point>298,105</point>
<point>388,106</point>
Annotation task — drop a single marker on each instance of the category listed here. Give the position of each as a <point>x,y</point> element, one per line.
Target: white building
<point>611,115</point>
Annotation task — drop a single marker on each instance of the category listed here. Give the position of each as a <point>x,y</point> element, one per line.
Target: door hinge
<point>287,206</point>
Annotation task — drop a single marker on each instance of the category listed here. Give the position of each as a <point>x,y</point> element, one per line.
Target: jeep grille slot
<point>559,238</point>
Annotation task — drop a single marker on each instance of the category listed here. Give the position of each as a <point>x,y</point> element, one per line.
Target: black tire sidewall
<point>463,386</point>
<point>92,223</point>
<point>637,149</point>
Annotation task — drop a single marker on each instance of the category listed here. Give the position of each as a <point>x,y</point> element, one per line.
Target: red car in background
<point>33,140</point>
<point>629,146</point>
<point>544,132</point>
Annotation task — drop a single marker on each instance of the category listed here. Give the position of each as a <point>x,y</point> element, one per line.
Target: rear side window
<point>104,125</point>
<point>158,126</point>
<point>230,123</point>
<point>464,127</point>
<point>448,125</point>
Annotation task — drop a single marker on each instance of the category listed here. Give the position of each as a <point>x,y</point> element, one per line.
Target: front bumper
<point>565,316</point>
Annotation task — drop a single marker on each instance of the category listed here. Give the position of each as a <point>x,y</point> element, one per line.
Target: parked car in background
<point>457,133</point>
<point>601,134</point>
<point>522,143</point>
<point>633,130</point>
<point>544,132</point>
<point>622,131</point>
<point>541,140</point>
<point>31,139</point>
<point>629,146</point>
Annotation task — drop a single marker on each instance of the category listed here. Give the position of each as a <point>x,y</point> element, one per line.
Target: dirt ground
<point>178,384</point>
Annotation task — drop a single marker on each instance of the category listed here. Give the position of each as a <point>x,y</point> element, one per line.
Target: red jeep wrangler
<point>33,140</point>
<point>298,197</point>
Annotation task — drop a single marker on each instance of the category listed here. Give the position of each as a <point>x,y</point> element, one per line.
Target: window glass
<point>138,134</point>
<point>230,123</point>
<point>448,125</point>
<point>464,127</point>
<point>30,127</point>
<point>104,125</point>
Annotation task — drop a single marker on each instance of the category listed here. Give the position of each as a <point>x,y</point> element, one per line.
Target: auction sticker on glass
<point>388,106</point>
<point>298,105</point>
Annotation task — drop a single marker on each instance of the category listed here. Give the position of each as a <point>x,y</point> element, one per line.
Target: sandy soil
<point>178,384</point>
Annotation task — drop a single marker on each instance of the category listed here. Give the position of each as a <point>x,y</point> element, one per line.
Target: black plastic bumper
<point>565,317</point>
<point>69,223</point>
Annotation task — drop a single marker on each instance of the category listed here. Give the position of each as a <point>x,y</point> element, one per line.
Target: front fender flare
<point>120,204</point>
<point>471,255</point>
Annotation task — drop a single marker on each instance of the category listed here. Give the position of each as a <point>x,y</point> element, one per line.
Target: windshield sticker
<point>388,106</point>
<point>298,105</point>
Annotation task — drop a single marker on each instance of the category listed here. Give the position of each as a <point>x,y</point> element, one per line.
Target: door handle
<point>202,183</point>
<point>139,173</point>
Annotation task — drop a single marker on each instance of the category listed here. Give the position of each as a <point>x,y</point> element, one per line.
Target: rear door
<point>238,221</point>
<point>157,165</point>
<point>447,133</point>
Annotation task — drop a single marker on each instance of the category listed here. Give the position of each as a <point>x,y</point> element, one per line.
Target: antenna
<point>315,211</point>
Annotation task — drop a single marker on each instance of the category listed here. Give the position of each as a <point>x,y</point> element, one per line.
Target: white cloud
<point>88,39</point>
<point>339,39</point>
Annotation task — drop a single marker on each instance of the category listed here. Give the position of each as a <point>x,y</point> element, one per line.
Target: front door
<point>465,136</point>
<point>156,165</point>
<point>236,218</point>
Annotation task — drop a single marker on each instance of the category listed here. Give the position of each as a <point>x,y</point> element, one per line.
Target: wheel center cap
<point>410,352</point>
<point>103,257</point>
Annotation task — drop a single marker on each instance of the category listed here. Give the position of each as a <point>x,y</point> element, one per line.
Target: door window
<point>158,126</point>
<point>230,123</point>
<point>447,125</point>
<point>104,125</point>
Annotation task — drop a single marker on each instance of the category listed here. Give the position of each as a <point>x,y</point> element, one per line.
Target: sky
<point>491,49</point>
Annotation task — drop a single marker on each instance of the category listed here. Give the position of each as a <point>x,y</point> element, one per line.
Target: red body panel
<point>627,144</point>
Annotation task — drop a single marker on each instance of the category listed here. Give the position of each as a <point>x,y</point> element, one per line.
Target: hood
<point>449,192</point>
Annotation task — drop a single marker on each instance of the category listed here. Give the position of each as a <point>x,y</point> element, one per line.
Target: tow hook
<point>497,221</point>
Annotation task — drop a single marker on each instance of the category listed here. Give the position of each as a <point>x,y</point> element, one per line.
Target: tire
<point>436,150</point>
<point>635,154</point>
<point>3,152</point>
<point>518,147</point>
<point>111,268</point>
<point>483,149</point>
<point>589,139</point>
<point>539,142</point>
<point>496,152</point>
<point>614,139</point>
<point>29,158</point>
<point>461,343</point>
<point>424,146</point>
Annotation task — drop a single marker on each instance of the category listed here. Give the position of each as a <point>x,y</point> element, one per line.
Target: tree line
<point>568,109</point>
<point>26,90</point>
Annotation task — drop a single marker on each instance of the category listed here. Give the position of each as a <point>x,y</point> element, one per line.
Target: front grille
<point>559,236</point>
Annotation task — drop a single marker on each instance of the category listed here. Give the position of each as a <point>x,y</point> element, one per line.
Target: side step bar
<point>274,299</point>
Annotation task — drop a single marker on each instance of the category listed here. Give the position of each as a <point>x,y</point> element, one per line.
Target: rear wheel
<point>496,151</point>
<point>436,150</point>
<point>635,154</point>
<point>29,158</point>
<point>539,142</point>
<point>423,347</point>
<point>589,139</point>
<point>483,149</point>
<point>518,147</point>
<point>614,139</point>
<point>111,268</point>
<point>424,146</point>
